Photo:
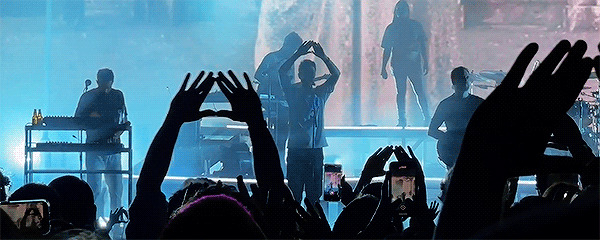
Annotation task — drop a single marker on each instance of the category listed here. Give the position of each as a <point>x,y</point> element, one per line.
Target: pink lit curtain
<point>330,23</point>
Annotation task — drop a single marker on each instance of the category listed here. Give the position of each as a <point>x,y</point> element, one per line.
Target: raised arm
<point>284,79</point>
<point>246,107</point>
<point>148,212</point>
<point>333,70</point>
<point>374,167</point>
<point>185,107</point>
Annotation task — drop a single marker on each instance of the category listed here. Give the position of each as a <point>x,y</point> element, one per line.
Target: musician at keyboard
<point>103,110</point>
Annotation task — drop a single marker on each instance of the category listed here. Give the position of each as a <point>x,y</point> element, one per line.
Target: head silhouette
<point>291,42</point>
<point>355,217</point>
<point>213,216</point>
<point>306,72</point>
<point>459,77</point>
<point>105,78</point>
<point>77,199</point>
<point>401,11</point>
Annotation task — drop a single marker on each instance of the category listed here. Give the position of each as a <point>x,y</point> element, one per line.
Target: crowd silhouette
<point>505,138</point>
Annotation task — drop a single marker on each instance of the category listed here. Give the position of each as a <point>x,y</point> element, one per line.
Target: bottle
<point>40,118</point>
<point>34,119</point>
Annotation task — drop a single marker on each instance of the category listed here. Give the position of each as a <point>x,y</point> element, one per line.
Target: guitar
<point>448,148</point>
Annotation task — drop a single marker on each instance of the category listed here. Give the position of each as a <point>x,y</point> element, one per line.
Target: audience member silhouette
<point>76,201</point>
<point>213,216</point>
<point>150,207</point>
<point>355,217</point>
<point>455,111</point>
<point>307,108</point>
<point>405,41</point>
<point>373,168</point>
<point>389,215</point>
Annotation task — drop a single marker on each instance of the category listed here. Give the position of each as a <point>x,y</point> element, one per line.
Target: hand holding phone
<point>333,177</point>
<point>29,216</point>
<point>402,180</point>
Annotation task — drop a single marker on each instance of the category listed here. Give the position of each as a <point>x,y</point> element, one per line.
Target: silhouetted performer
<point>455,111</point>
<point>268,76</point>
<point>104,109</point>
<point>405,40</point>
<point>307,105</point>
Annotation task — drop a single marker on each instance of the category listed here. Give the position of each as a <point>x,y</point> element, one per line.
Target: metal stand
<point>31,147</point>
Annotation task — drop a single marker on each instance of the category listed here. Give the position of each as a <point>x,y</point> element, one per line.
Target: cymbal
<point>495,75</point>
<point>483,86</point>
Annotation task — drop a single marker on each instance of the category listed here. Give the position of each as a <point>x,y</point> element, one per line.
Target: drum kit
<point>585,111</point>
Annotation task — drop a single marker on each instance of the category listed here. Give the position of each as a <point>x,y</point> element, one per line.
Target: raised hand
<point>241,186</point>
<point>119,215</point>
<point>420,199</point>
<point>318,50</point>
<point>512,126</point>
<point>376,162</point>
<point>507,135</point>
<point>401,155</point>
<point>304,48</point>
<point>433,209</point>
<point>374,167</point>
<point>259,196</point>
<point>185,106</point>
<point>313,221</point>
<point>245,103</point>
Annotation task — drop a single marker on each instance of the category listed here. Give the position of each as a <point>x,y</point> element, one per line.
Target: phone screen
<point>403,187</point>
<point>28,215</point>
<point>402,180</point>
<point>333,177</point>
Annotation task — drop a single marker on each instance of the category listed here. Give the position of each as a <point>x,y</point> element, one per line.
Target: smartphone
<point>333,178</point>
<point>403,181</point>
<point>29,216</point>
